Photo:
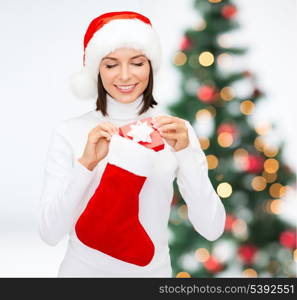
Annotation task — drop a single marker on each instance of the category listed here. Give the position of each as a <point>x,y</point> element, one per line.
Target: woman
<point>112,196</point>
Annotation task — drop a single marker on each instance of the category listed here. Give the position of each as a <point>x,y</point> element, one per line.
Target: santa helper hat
<point>107,33</point>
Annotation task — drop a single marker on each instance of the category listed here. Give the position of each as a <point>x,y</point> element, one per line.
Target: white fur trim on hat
<point>120,33</point>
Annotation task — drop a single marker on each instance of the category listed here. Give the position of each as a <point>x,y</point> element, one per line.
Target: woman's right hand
<point>98,144</point>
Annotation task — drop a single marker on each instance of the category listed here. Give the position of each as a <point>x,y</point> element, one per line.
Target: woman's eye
<point>139,64</point>
<point>110,66</point>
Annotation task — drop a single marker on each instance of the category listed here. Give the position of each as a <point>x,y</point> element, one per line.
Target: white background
<point>42,46</point>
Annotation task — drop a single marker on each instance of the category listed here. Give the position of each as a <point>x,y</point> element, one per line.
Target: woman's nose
<point>125,73</point>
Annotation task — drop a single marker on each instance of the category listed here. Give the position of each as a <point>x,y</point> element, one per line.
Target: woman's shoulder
<point>158,111</point>
<point>75,124</point>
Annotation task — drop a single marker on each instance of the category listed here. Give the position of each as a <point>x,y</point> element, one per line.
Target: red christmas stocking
<point>110,220</point>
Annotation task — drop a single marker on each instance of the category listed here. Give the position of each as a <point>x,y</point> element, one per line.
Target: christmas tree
<point>246,170</point>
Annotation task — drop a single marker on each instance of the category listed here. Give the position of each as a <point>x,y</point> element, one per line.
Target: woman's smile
<point>126,89</point>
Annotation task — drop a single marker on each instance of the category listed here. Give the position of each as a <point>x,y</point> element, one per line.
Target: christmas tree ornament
<point>206,93</point>
<point>247,253</point>
<point>288,239</point>
<point>254,163</point>
<point>228,11</point>
<point>185,44</point>
<point>212,265</point>
<point>107,33</point>
<point>230,219</point>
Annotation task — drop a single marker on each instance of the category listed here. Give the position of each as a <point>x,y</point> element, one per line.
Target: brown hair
<point>148,98</point>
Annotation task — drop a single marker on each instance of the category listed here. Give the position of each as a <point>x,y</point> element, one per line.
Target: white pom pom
<point>83,85</point>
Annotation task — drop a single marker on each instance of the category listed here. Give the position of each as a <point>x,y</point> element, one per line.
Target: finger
<point>171,126</point>
<point>106,127</point>
<point>169,135</point>
<point>162,120</point>
<point>114,127</point>
<point>100,133</point>
<point>105,134</point>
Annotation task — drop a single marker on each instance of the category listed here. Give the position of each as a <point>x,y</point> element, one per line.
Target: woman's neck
<point>121,113</point>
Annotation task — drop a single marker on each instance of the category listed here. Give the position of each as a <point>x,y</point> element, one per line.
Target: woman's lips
<point>126,89</point>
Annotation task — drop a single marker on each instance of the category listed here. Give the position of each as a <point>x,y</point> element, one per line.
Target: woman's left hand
<point>173,130</point>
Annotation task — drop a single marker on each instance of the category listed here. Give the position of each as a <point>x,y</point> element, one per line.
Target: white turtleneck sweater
<point>68,186</point>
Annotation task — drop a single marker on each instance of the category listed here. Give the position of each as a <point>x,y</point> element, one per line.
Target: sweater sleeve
<point>205,209</point>
<point>65,188</point>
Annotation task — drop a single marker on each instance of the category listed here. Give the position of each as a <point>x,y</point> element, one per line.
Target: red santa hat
<point>107,33</point>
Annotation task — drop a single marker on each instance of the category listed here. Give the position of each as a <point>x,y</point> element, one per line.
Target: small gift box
<point>143,132</point>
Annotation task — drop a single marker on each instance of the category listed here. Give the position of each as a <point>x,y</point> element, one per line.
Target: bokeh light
<point>212,161</point>
<point>258,183</point>
<point>240,157</point>
<point>227,93</point>
<point>263,128</point>
<point>183,275</point>
<point>271,165</point>
<point>259,143</point>
<point>225,60</point>
<point>224,41</point>
<point>239,229</point>
<point>224,190</point>
<point>206,59</point>
<point>276,206</point>
<point>276,190</point>
<point>225,139</point>
<point>204,142</point>
<point>180,59</point>
<point>202,255</point>
<point>203,113</point>
<point>250,273</point>
<point>201,25</point>
<point>270,151</point>
<point>247,107</point>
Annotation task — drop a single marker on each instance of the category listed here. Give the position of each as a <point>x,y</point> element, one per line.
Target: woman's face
<point>125,74</point>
